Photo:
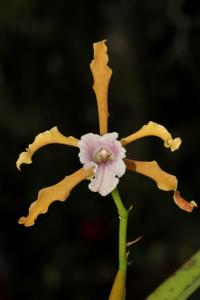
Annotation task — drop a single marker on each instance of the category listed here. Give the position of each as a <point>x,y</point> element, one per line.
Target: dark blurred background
<point>45,80</point>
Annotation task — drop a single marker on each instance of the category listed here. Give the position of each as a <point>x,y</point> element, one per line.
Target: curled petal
<point>154,129</point>
<point>182,203</point>
<point>48,137</point>
<point>118,291</point>
<point>101,74</point>
<point>164,180</point>
<point>57,192</point>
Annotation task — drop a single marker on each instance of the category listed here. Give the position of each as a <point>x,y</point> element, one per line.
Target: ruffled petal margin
<point>154,129</point>
<point>164,180</point>
<point>106,177</point>
<point>52,136</point>
<point>57,192</point>
<point>101,74</point>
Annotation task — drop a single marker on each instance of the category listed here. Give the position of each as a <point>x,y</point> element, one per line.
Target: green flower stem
<point>123,218</point>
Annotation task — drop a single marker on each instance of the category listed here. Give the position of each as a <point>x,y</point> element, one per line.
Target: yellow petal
<point>48,137</point>
<point>101,74</point>
<point>57,192</point>
<point>118,291</point>
<point>182,203</point>
<point>154,129</point>
<point>164,180</point>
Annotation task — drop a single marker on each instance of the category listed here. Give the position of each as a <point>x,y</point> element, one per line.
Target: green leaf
<point>182,283</point>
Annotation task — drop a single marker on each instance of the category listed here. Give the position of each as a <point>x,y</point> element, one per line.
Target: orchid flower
<point>103,155</point>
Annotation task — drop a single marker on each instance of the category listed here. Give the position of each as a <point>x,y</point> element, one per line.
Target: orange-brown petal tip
<point>182,203</point>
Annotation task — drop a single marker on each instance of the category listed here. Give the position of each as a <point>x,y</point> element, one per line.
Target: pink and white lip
<point>105,155</point>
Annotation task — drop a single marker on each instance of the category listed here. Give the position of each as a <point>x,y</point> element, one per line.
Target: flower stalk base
<point>118,291</point>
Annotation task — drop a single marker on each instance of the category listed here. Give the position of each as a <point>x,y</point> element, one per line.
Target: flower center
<point>103,155</point>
